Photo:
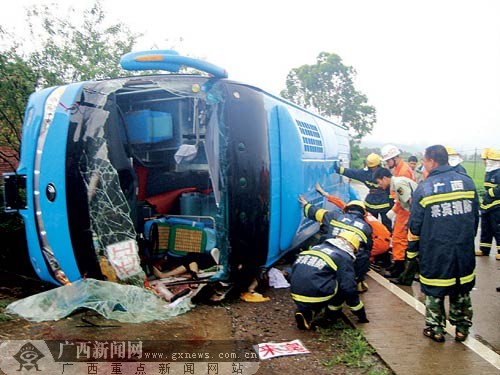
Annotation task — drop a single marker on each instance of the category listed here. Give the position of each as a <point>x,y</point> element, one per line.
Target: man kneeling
<point>324,277</point>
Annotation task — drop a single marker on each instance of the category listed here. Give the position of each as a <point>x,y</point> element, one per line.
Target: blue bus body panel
<point>53,171</point>
<point>303,148</point>
<point>32,122</point>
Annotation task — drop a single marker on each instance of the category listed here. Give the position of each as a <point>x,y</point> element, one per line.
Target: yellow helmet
<point>351,237</point>
<point>451,151</point>
<point>373,160</point>
<point>484,154</point>
<point>356,203</point>
<point>493,154</point>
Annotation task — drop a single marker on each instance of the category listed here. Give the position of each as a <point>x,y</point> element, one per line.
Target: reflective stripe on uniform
<point>447,282</point>
<point>369,183</point>
<point>411,254</point>
<point>335,308</point>
<point>490,185</point>
<point>352,228</point>
<point>488,206</point>
<point>307,299</point>
<point>318,216</point>
<point>359,306</point>
<point>424,202</point>
<point>377,206</point>
<point>413,237</point>
<point>321,255</point>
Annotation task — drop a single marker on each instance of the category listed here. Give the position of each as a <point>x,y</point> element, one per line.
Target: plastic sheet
<point>125,303</point>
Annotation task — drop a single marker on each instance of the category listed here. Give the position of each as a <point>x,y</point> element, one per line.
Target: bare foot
<point>158,274</point>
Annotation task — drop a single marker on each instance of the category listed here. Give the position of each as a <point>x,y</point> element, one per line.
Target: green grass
<point>352,348</point>
<point>475,169</point>
<point>3,304</point>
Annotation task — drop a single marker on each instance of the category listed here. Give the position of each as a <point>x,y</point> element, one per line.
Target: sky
<point>430,68</point>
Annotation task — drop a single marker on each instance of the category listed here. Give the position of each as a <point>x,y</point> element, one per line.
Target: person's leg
<point>495,226</point>
<point>399,244</point>
<point>304,315</point>
<point>191,268</point>
<point>333,310</point>
<point>435,318</point>
<point>461,314</point>
<point>384,219</point>
<point>486,239</point>
<point>361,267</point>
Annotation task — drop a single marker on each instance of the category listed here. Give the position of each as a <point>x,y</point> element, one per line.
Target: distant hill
<point>411,149</point>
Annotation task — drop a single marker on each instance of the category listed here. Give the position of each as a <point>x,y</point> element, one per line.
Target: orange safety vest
<point>402,169</point>
<point>381,236</point>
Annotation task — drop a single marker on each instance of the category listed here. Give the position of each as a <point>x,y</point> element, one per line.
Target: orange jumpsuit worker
<point>381,236</point>
<point>390,154</point>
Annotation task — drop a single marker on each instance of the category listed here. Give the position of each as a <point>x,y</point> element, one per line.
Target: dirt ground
<point>270,321</point>
<point>273,321</point>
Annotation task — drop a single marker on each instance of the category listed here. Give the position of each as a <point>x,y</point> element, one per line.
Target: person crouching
<point>324,276</point>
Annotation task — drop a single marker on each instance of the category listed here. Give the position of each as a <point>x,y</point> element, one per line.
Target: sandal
<point>438,337</point>
<point>460,336</point>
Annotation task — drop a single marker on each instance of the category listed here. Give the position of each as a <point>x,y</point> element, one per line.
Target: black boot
<point>397,269</point>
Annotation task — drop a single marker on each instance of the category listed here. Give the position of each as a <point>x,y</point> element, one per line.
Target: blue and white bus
<point>204,161</point>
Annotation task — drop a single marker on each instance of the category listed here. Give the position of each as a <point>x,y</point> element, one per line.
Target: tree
<point>17,81</point>
<point>78,52</point>
<point>68,53</point>
<point>328,88</point>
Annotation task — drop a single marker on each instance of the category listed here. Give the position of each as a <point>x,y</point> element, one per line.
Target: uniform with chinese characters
<point>442,227</point>
<point>324,275</point>
<point>378,200</point>
<point>490,213</point>
<point>353,221</point>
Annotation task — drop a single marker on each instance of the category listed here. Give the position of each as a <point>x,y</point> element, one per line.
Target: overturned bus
<point>115,173</point>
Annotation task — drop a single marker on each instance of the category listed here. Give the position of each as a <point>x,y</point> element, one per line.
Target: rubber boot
<point>397,269</point>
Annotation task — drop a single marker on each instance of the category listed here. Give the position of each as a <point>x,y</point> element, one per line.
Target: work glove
<point>361,315</point>
<point>390,215</point>
<point>334,168</point>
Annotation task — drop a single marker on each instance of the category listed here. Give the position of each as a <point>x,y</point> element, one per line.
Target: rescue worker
<point>403,188</point>
<point>323,277</point>
<point>377,201</point>
<point>455,160</point>
<point>412,162</point>
<point>391,157</point>
<point>417,169</point>
<point>352,219</point>
<point>390,154</point>
<point>490,205</point>
<point>381,237</point>
<point>442,227</point>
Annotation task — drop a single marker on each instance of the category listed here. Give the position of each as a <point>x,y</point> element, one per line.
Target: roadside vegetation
<point>352,350</point>
<point>475,169</point>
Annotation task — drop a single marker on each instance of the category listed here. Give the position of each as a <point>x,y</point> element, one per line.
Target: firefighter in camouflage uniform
<point>442,227</point>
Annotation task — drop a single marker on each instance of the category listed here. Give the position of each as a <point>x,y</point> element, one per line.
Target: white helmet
<point>389,152</point>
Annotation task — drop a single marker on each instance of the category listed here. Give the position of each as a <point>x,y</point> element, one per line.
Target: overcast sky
<point>430,68</point>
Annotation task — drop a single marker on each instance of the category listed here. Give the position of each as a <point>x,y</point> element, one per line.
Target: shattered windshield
<point>136,147</point>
